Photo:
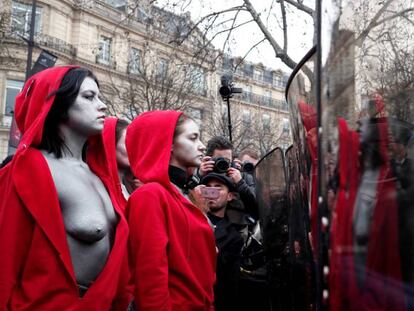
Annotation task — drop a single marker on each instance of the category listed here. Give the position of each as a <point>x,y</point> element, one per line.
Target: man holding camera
<point>219,159</point>
<point>218,193</point>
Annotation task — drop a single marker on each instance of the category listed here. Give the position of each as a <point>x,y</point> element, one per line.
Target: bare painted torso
<point>88,215</point>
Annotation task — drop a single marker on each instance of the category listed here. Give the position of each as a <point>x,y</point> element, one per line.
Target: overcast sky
<point>300,28</point>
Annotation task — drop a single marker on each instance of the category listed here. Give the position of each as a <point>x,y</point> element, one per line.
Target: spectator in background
<point>172,247</point>
<point>249,158</point>
<point>249,155</point>
<point>228,240</point>
<point>219,146</point>
<point>114,142</point>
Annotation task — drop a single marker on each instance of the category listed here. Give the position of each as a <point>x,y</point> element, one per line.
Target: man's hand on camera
<point>206,166</point>
<point>234,174</point>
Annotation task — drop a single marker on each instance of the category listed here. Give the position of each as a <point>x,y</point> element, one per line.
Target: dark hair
<point>120,126</point>
<point>218,143</point>
<point>250,152</point>
<point>52,140</point>
<point>180,122</point>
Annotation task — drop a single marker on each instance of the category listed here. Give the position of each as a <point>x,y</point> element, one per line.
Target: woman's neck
<point>73,143</point>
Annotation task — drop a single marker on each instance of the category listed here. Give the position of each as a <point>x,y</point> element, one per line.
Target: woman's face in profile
<point>188,150</point>
<point>87,114</point>
<point>121,152</point>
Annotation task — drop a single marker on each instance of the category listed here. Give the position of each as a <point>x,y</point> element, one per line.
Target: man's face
<point>226,153</point>
<point>224,197</point>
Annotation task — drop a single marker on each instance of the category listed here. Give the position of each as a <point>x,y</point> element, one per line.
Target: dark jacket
<point>229,243</point>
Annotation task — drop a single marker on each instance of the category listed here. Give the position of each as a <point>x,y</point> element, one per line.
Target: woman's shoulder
<point>152,189</point>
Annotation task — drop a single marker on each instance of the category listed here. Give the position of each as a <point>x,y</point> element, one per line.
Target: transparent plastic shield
<point>367,60</point>
<point>273,213</point>
<point>301,162</point>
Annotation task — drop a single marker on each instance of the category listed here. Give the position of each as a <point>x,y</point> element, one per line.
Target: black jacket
<point>229,243</point>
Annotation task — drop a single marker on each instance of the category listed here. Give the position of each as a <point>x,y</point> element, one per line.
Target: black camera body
<point>221,165</point>
<point>247,167</point>
<point>227,89</point>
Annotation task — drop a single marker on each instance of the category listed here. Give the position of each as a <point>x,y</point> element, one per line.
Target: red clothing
<point>382,288</point>
<point>35,264</point>
<point>172,246</point>
<point>109,141</point>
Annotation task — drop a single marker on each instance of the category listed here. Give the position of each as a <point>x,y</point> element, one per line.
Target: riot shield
<point>367,109</point>
<point>273,213</point>
<point>302,181</point>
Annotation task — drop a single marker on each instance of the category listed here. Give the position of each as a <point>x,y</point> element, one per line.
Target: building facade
<point>145,58</point>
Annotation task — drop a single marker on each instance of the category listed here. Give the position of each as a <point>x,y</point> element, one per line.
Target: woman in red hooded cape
<point>37,267</point>
<point>172,246</point>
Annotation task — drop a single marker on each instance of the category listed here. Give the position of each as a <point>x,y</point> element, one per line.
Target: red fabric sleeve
<point>16,230</point>
<point>148,248</point>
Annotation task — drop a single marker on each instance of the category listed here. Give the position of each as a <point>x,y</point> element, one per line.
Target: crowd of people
<point>99,213</point>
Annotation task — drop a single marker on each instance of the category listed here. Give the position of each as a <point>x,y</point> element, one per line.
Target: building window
<point>278,80</point>
<point>117,4</point>
<point>22,16</point>
<point>198,79</point>
<point>162,68</point>
<point>248,93</point>
<point>258,74</point>
<point>248,70</point>
<point>268,76</point>
<point>142,15</point>
<point>286,125</point>
<point>247,118</point>
<point>228,62</point>
<point>134,61</point>
<point>13,87</point>
<point>268,97</point>
<point>266,122</point>
<point>104,55</point>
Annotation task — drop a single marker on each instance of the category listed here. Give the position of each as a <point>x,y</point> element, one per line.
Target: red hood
<point>109,141</point>
<point>110,147</point>
<point>148,141</point>
<point>33,104</point>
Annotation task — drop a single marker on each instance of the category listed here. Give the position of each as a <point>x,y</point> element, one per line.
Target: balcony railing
<point>50,42</point>
<point>261,100</point>
<point>56,44</point>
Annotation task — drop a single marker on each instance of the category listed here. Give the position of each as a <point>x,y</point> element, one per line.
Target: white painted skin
<point>121,153</point>
<point>87,114</point>
<point>87,210</point>
<point>187,149</point>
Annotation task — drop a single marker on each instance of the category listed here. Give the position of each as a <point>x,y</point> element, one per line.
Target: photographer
<point>219,151</point>
<point>219,193</point>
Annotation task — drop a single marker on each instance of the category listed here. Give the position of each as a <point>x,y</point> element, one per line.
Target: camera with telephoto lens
<point>247,167</point>
<point>221,165</point>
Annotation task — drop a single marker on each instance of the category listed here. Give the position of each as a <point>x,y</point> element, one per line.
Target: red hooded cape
<point>35,264</point>
<point>172,246</point>
<point>309,119</point>
<point>383,288</point>
<point>109,141</point>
